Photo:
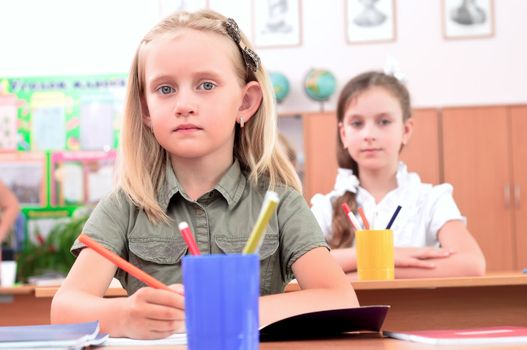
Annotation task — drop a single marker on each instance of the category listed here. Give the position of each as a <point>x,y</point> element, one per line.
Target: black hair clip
<point>252,61</point>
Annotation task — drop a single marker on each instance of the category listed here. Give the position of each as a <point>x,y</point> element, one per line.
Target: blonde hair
<point>143,160</point>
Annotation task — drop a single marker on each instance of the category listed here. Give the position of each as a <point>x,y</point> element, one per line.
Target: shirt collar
<point>230,186</point>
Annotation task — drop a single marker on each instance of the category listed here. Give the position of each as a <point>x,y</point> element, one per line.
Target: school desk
<point>18,306</point>
<point>496,299</point>
<point>426,303</point>
<point>346,342</point>
<point>30,305</point>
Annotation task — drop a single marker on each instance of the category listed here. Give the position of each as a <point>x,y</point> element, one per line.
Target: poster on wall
<point>370,21</point>
<point>277,23</point>
<point>81,177</point>
<point>25,174</point>
<point>8,121</point>
<point>63,113</point>
<point>464,19</point>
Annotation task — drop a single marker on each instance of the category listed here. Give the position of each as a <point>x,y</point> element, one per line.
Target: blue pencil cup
<point>221,301</point>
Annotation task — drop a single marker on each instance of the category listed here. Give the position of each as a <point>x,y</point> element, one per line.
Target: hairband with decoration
<point>252,61</point>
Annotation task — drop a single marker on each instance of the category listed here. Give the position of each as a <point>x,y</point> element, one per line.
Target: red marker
<point>350,215</point>
<point>123,264</point>
<point>189,238</point>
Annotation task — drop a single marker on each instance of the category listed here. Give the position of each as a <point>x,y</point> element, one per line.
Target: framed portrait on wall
<point>166,7</point>
<point>277,23</point>
<point>465,19</point>
<point>369,21</point>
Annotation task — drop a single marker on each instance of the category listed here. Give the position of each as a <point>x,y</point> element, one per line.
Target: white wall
<point>61,37</point>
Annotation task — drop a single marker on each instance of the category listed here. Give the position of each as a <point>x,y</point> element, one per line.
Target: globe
<point>320,84</point>
<point>280,85</point>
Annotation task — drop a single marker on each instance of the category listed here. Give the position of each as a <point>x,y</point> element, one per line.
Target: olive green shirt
<point>221,221</point>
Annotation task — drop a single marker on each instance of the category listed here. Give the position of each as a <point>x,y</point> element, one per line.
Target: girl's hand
<point>154,313</point>
<point>416,257</point>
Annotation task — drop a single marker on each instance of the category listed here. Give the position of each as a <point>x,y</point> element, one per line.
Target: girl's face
<point>373,129</point>
<point>193,96</point>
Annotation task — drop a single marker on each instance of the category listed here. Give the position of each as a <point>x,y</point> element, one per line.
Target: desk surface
<point>346,342</point>
<point>489,280</point>
<point>19,290</point>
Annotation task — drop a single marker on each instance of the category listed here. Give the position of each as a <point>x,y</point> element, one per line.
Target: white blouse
<point>425,208</point>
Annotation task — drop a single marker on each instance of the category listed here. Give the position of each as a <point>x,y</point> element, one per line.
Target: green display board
<point>61,113</point>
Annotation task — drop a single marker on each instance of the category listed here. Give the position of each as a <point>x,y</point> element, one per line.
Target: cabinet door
<point>421,154</point>
<point>320,144</point>
<point>476,163</point>
<point>519,187</point>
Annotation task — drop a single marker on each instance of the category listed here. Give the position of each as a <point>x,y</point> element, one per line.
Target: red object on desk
<point>123,264</point>
<point>483,335</point>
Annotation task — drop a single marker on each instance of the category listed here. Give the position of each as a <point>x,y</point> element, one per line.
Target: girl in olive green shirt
<point>198,145</point>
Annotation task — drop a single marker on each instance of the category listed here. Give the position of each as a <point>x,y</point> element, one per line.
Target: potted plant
<point>50,256</point>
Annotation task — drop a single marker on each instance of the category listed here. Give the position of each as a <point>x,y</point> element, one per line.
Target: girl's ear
<point>252,98</point>
<point>342,133</point>
<point>408,130</point>
<point>144,112</point>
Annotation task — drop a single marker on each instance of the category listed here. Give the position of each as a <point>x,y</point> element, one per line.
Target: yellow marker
<point>255,239</point>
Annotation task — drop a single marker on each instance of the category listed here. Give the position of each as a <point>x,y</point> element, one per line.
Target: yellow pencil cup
<point>374,254</point>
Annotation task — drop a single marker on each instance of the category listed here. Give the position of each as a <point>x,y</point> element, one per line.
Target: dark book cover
<point>327,323</point>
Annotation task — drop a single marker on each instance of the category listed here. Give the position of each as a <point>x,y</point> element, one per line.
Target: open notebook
<point>55,336</point>
<point>308,325</point>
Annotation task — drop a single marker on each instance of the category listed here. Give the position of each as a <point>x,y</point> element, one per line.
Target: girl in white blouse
<point>430,235</point>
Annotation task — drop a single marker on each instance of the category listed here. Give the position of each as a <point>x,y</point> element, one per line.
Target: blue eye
<point>165,90</point>
<point>207,85</point>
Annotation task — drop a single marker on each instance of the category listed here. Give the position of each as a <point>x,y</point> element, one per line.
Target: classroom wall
<point>63,37</point>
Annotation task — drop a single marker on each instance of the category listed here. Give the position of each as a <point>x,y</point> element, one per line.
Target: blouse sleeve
<point>443,208</point>
<point>323,211</point>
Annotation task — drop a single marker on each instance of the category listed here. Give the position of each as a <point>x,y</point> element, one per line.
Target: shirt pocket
<point>159,251</point>
<point>268,254</point>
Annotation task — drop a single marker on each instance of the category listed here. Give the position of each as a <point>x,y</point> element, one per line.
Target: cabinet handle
<point>507,195</point>
<point>517,196</point>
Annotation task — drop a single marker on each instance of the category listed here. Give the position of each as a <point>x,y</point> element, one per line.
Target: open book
<point>486,335</point>
<point>307,325</point>
<point>55,336</point>
<point>327,322</point>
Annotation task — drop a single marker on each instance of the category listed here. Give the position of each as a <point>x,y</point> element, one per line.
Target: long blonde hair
<point>143,160</point>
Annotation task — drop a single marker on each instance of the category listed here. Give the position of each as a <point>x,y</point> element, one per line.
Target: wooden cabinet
<point>319,132</point>
<point>518,136</point>
<point>484,158</point>
<point>421,154</point>
<point>320,144</point>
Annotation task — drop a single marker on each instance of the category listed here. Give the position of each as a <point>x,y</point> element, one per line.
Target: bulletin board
<point>61,113</point>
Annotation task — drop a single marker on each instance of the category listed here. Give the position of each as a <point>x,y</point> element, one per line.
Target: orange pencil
<point>123,264</point>
<point>364,220</point>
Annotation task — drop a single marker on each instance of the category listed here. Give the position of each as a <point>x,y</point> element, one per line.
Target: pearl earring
<point>242,122</point>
